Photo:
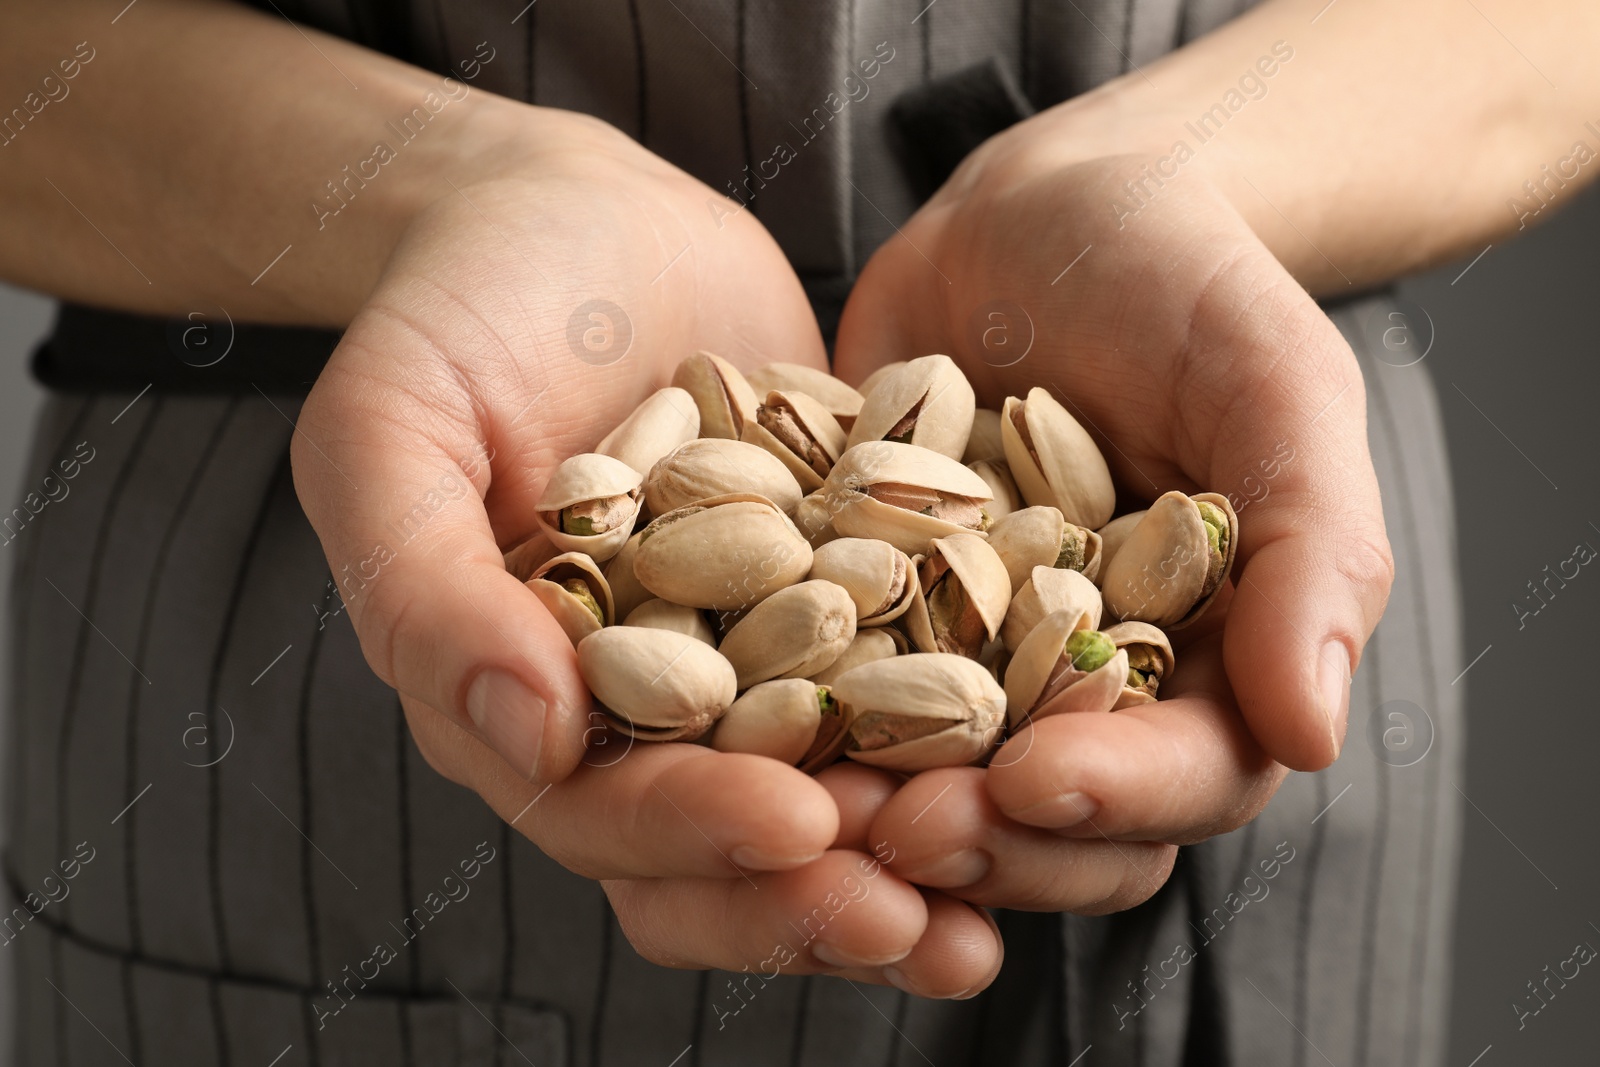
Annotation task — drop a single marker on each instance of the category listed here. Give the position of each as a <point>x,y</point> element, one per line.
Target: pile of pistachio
<point>780,564</point>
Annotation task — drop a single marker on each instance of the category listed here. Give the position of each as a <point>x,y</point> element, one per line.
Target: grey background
<point>1515,334</point>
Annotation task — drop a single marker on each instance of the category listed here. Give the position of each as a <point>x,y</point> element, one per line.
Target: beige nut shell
<point>1069,473</point>
<point>656,685</point>
<point>793,633</point>
<point>727,553</point>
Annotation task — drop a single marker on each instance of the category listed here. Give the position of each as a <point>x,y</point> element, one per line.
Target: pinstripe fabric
<point>233,913</point>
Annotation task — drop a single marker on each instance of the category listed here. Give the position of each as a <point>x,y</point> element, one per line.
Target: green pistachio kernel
<point>1137,680</point>
<point>580,589</point>
<point>1216,526</point>
<point>1090,650</point>
<point>1070,558</point>
<point>576,525</point>
<point>825,702</point>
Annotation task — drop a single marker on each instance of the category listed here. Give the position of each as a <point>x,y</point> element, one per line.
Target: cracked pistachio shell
<point>1166,571</point>
<point>656,685</point>
<point>928,403</point>
<point>813,517</point>
<point>1040,537</point>
<point>800,432</point>
<point>1055,461</point>
<point>1144,644</point>
<point>904,495</point>
<point>659,614</point>
<point>1042,680</point>
<point>997,476</point>
<point>722,394</point>
<point>529,556</point>
<point>985,441</point>
<point>779,719</point>
<point>667,419</point>
<point>837,398</point>
<point>728,553</point>
<point>920,711</point>
<point>1049,590</point>
<point>793,633</point>
<point>866,647</point>
<point>710,467</point>
<point>1112,535</point>
<point>963,597</point>
<point>626,592</point>
<point>595,489</point>
<point>877,376</point>
<point>576,593</point>
<point>879,577</point>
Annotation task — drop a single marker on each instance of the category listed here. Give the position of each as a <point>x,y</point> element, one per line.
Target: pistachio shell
<point>1112,535</point>
<point>800,433</point>
<point>916,712</point>
<point>529,556</point>
<point>1140,638</point>
<point>904,495</point>
<point>879,577</point>
<point>928,403</point>
<point>1164,573</point>
<point>656,685</point>
<point>793,633</point>
<point>1055,461</point>
<point>576,594</point>
<point>659,614</point>
<point>667,418</point>
<point>997,476</point>
<point>1037,537</point>
<point>963,597</point>
<point>1041,679</point>
<point>985,441</point>
<point>837,398</point>
<point>1049,590</point>
<point>606,489</point>
<point>710,467</point>
<point>626,591</point>
<point>721,393</point>
<point>813,517</point>
<point>728,553</point>
<point>778,719</point>
<point>877,376</point>
<point>865,647</point>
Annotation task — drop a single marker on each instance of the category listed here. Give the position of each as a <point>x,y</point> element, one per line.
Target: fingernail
<point>952,871</point>
<point>1062,812</point>
<point>755,859</point>
<point>895,977</point>
<point>1333,680</point>
<point>837,957</point>
<point>510,716</point>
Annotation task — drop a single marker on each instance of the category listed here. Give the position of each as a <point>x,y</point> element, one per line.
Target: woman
<point>262,863</point>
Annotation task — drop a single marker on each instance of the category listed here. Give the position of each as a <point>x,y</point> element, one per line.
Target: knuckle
<point>1365,559</point>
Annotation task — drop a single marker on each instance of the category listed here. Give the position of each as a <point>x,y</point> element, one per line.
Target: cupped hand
<point>1198,363</point>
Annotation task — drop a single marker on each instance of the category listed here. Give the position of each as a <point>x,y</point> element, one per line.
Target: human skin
<point>454,276</point>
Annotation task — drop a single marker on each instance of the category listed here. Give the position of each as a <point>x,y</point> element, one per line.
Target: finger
<point>958,957</point>
<point>661,810</point>
<point>947,832</point>
<point>886,316</point>
<point>842,910</point>
<point>1180,770</point>
<point>859,792</point>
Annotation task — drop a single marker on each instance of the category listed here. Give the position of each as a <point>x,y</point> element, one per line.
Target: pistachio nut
<point>879,577</point>
<point>626,592</point>
<point>529,556</point>
<point>1049,590</point>
<point>1150,659</point>
<point>667,418</point>
<point>656,685</point>
<point>1063,665</point>
<point>711,466</point>
<point>1112,535</point>
<point>837,398</point>
<point>722,394</point>
<point>589,505</point>
<point>779,719</point>
<point>813,516</point>
<point>576,594</point>
<point>658,614</point>
<point>1040,537</point>
<point>904,495</point>
<point>800,433</point>
<point>997,476</point>
<point>728,552</point>
<point>793,633</point>
<point>963,597</point>
<point>867,646</point>
<point>985,440</point>
<point>928,402</point>
<point>1173,563</point>
<point>924,710</point>
<point>1055,461</point>
<point>877,376</point>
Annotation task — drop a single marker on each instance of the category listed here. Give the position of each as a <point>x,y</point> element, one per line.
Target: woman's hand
<point>1198,363</point>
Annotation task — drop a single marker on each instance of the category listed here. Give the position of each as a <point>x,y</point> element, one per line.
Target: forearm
<point>1395,135</point>
<point>195,142</point>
